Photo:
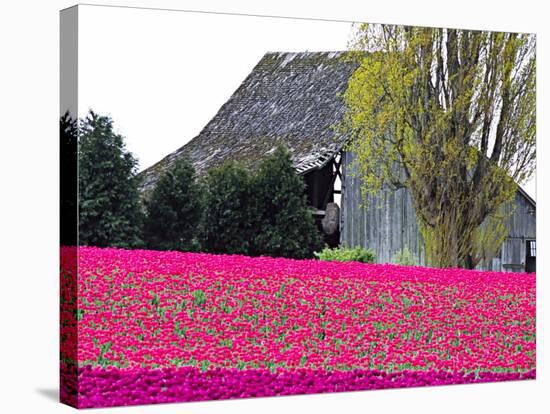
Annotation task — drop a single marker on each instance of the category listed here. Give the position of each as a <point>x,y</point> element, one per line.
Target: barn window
<point>531,248</point>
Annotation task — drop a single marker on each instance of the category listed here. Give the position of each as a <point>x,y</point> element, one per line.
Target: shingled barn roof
<point>288,98</point>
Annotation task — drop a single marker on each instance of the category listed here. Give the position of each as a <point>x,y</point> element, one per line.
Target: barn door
<point>531,256</point>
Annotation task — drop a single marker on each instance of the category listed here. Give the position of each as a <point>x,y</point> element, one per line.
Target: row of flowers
<point>115,387</point>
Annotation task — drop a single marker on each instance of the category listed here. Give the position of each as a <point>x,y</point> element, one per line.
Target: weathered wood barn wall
<point>521,237</point>
<point>386,223</point>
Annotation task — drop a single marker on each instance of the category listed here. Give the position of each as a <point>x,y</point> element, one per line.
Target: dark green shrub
<point>347,254</point>
<point>68,129</point>
<point>282,222</point>
<point>174,210</point>
<point>228,219</point>
<point>265,213</point>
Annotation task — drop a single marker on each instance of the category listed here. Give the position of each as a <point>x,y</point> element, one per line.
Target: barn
<point>293,99</point>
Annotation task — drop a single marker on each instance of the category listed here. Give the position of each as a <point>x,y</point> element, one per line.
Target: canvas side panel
<point>68,168</point>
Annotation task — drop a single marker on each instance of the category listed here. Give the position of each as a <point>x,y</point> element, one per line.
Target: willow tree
<point>450,114</point>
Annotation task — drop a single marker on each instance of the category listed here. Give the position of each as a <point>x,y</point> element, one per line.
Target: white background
<point>29,85</point>
<point>162,75</point>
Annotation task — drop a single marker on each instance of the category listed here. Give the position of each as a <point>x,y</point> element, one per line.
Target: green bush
<point>404,257</point>
<point>283,223</point>
<point>261,213</point>
<point>227,215</point>
<point>174,210</point>
<point>347,254</point>
<point>68,129</point>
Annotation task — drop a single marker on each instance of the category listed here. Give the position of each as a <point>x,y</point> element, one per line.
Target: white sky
<point>162,75</point>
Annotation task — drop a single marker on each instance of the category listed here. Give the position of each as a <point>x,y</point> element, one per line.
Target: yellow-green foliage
<point>405,257</point>
<point>347,254</point>
<point>451,115</point>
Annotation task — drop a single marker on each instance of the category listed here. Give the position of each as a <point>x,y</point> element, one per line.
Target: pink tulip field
<point>154,327</point>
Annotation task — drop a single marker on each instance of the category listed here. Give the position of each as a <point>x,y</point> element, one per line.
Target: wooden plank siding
<point>386,223</point>
<point>522,227</point>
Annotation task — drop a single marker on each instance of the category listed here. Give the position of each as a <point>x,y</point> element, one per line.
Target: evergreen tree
<point>109,204</point>
<point>283,222</point>
<point>174,210</point>
<point>228,220</point>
